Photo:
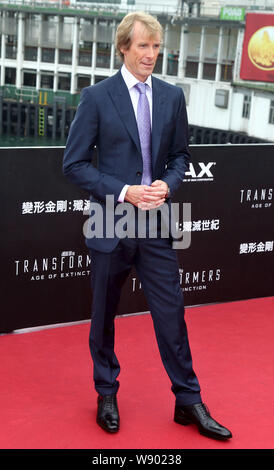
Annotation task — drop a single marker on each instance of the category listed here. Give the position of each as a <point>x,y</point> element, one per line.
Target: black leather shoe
<point>107,413</point>
<point>199,415</point>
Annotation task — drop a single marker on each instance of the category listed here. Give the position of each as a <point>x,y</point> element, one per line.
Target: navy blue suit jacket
<point>105,118</point>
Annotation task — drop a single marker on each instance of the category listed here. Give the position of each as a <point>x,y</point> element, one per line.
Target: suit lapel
<point>122,102</point>
<point>158,97</point>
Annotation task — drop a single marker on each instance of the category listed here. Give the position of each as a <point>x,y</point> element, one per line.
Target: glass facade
<point>62,41</point>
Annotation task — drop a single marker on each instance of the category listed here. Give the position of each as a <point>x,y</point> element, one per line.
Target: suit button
<point>138,173</point>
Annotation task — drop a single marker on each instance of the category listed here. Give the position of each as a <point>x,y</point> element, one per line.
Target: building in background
<point>51,50</point>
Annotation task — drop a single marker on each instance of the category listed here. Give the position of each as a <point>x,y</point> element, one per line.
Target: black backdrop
<point>45,263</point>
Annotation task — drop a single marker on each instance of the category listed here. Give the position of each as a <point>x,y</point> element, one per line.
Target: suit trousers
<point>156,265</point>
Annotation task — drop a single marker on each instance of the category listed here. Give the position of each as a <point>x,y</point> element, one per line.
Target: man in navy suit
<point>139,126</point>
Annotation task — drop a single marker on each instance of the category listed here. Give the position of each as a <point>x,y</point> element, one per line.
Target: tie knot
<point>141,87</point>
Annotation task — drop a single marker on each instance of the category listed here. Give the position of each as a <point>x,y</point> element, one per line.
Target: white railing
<point>27,93</point>
<point>176,8</point>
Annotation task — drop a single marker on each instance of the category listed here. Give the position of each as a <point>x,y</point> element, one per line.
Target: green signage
<point>232,13</point>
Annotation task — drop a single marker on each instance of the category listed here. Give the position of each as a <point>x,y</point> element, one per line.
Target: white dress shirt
<point>130,82</point>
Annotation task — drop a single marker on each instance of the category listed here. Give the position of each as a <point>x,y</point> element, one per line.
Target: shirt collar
<point>130,80</point>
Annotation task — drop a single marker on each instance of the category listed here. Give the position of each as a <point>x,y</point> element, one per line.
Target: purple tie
<point>144,128</point>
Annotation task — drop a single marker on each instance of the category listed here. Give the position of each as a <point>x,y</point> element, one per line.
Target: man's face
<point>141,57</point>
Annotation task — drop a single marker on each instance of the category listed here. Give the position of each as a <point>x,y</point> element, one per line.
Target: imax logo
<point>200,172</point>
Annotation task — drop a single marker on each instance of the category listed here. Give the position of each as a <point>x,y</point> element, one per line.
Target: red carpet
<point>48,402</point>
